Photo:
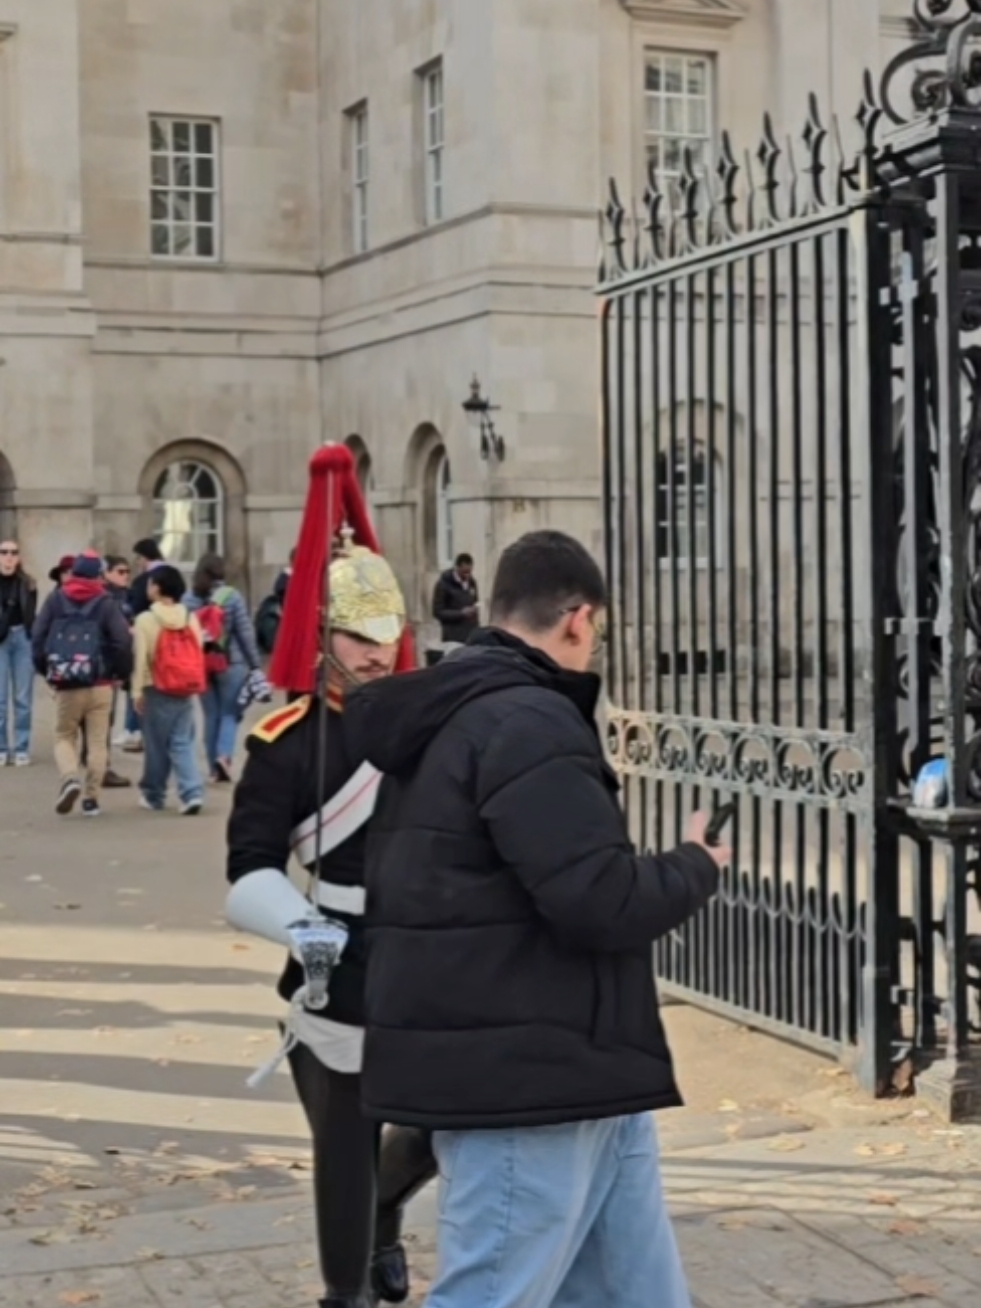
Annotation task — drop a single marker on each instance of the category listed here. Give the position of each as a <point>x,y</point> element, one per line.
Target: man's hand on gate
<point>721,855</point>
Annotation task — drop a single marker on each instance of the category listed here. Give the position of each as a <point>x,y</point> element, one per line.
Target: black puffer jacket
<point>509,920</point>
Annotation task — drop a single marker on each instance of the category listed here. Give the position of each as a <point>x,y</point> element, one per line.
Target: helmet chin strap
<point>345,674</point>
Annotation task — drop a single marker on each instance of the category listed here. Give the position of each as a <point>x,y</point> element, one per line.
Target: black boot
<point>390,1274</point>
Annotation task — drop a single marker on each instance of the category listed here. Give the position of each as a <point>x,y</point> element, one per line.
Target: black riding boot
<point>406,1164</point>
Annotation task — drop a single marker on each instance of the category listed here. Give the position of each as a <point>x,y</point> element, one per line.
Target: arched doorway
<point>362,463</point>
<point>8,487</point>
<point>194,503</point>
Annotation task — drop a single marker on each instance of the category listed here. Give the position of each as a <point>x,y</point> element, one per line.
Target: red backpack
<point>178,662</point>
<point>211,618</point>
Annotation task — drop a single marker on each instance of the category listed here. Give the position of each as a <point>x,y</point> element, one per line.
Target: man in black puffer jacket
<point>510,996</point>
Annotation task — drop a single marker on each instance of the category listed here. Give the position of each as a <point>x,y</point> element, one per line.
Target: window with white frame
<point>184,188</point>
<point>433,140</point>
<point>678,95</point>
<point>684,527</point>
<point>189,513</point>
<point>358,127</point>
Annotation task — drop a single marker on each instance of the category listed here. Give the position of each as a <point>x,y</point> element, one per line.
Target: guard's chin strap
<point>345,675</point>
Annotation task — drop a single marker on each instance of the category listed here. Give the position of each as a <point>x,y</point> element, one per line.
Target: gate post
<point>933,158</point>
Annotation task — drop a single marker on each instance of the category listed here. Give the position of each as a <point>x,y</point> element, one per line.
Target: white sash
<point>342,815</point>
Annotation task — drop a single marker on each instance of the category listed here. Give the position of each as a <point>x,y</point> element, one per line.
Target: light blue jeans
<point>555,1217</point>
<point>222,713</point>
<point>168,742</point>
<point>17,683</point>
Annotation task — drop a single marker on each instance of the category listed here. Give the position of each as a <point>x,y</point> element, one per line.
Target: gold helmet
<point>365,599</point>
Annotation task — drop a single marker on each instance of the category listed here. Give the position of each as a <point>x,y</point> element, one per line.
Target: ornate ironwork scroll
<point>813,767</point>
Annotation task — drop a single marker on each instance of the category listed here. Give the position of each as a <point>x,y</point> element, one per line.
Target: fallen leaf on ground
<point>728,1106</point>
<point>241,949</point>
<point>149,1255</point>
<point>50,1237</point>
<point>884,1200</point>
<point>905,1227</point>
<point>918,1286</point>
<point>786,1144</point>
<point>894,1149</point>
<point>79,1296</point>
<point>84,1185</point>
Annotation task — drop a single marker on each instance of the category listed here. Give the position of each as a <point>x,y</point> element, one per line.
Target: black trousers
<point>362,1177</point>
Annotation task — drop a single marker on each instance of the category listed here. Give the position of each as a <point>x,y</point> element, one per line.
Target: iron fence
<point>792,482</point>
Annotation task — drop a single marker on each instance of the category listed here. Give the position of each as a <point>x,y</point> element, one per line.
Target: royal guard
<point>306,793</point>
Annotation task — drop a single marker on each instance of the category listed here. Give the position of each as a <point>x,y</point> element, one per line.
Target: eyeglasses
<point>5,550</point>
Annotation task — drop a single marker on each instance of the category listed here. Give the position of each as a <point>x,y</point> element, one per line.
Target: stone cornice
<point>687,13</point>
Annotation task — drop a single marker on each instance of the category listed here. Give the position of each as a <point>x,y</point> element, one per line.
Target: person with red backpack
<point>82,647</point>
<point>169,673</point>
<point>231,653</point>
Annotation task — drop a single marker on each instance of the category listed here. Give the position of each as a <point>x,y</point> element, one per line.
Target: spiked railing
<point>822,170</point>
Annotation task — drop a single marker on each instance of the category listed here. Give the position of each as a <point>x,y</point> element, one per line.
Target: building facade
<point>231,231</point>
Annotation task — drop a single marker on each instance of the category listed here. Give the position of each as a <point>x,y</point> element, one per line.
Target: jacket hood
<point>80,590</point>
<point>393,721</point>
<point>172,616</point>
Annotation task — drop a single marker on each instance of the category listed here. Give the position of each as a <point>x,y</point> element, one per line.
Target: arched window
<point>683,519</point>
<point>437,517</point>
<point>189,512</point>
<point>444,513</point>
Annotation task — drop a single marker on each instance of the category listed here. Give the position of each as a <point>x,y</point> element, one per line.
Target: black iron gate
<point>792,476</point>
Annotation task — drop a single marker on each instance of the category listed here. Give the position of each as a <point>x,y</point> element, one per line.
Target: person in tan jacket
<point>168,674</point>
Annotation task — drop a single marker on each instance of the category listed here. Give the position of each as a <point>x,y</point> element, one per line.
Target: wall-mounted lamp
<point>478,411</point>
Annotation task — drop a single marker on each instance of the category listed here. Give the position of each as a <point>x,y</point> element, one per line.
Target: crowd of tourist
<point>134,646</point>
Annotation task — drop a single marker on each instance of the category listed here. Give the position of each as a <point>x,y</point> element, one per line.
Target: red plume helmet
<point>334,500</point>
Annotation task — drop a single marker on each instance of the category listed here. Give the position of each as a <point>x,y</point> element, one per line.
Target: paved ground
<point>137,1171</point>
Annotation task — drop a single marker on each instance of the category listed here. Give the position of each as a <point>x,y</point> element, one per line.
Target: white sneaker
<point>4,760</point>
<point>191,808</point>
<point>22,760</point>
<point>145,803</point>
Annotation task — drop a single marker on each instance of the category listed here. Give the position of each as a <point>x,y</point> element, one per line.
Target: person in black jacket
<point>455,602</point>
<point>510,998</point>
<point>148,556</point>
<point>18,606</point>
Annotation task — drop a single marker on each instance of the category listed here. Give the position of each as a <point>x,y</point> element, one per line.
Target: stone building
<point>233,229</point>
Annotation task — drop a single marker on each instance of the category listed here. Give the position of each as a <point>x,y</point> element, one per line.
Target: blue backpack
<point>73,649</point>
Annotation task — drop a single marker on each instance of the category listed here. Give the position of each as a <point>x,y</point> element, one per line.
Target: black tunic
<point>278,792</point>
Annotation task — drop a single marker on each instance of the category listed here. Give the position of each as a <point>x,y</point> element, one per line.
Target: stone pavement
<point>137,1171</point>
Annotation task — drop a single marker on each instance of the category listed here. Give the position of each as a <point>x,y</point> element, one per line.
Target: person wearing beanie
<point>305,791</point>
<point>82,645</point>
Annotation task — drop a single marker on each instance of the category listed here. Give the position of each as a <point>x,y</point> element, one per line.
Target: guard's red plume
<point>334,500</point>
